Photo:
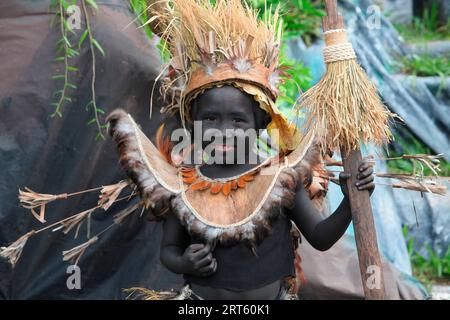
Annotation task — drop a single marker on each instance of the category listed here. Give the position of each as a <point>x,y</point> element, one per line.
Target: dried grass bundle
<point>109,194</point>
<point>345,109</point>
<point>422,187</point>
<point>31,200</point>
<point>416,183</point>
<point>122,215</point>
<point>429,161</point>
<point>148,294</point>
<point>75,254</point>
<point>14,250</point>
<point>75,221</point>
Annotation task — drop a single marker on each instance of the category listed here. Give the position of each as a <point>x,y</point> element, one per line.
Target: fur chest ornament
<point>229,211</point>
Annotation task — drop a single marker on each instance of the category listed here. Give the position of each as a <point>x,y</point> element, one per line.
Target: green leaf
<point>100,111</point>
<point>59,92</point>
<point>98,46</point>
<point>56,113</point>
<point>72,69</point>
<point>92,4</point>
<point>82,38</point>
<point>60,41</point>
<point>60,48</point>
<point>99,136</point>
<point>72,52</point>
<point>71,85</point>
<point>90,103</point>
<point>93,120</point>
<point>58,76</point>
<point>60,58</point>
<point>66,41</point>
<point>64,4</point>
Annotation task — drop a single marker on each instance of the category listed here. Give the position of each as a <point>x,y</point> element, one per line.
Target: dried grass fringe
<point>137,293</point>
<point>14,250</point>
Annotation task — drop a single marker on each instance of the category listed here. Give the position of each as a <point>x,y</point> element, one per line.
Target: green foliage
<point>66,50</point>
<point>139,8</point>
<point>297,79</point>
<point>430,17</point>
<point>300,17</point>
<point>425,65</point>
<point>93,46</point>
<point>431,269</point>
<point>426,28</point>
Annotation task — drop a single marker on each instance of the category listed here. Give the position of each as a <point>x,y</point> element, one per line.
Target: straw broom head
<point>344,107</point>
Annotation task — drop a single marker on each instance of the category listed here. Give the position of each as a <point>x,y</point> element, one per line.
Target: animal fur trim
<point>148,180</point>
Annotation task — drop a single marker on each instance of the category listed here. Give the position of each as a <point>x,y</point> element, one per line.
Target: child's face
<point>230,112</point>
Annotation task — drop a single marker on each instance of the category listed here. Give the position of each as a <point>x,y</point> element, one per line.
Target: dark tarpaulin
<point>56,155</point>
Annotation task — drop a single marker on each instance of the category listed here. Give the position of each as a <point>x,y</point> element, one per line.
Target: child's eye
<point>209,118</point>
<point>238,120</point>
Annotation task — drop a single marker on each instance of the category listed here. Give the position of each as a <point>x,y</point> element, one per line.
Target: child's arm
<point>180,257</point>
<point>322,234</point>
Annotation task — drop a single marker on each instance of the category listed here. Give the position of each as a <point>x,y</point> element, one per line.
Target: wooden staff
<point>365,235</point>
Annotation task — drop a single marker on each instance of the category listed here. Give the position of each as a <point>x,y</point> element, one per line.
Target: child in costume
<point>227,226</point>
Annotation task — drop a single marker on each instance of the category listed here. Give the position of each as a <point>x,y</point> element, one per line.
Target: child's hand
<point>197,260</point>
<point>364,178</point>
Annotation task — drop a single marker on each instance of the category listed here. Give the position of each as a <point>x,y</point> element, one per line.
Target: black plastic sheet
<point>56,155</point>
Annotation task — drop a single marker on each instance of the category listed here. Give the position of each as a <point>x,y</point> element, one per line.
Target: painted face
<point>230,114</point>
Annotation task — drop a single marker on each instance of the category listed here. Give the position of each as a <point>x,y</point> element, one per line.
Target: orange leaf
<point>248,177</point>
<point>234,184</point>
<point>241,182</point>
<point>216,188</point>
<point>187,174</point>
<point>202,185</point>
<point>189,180</point>
<point>226,188</point>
